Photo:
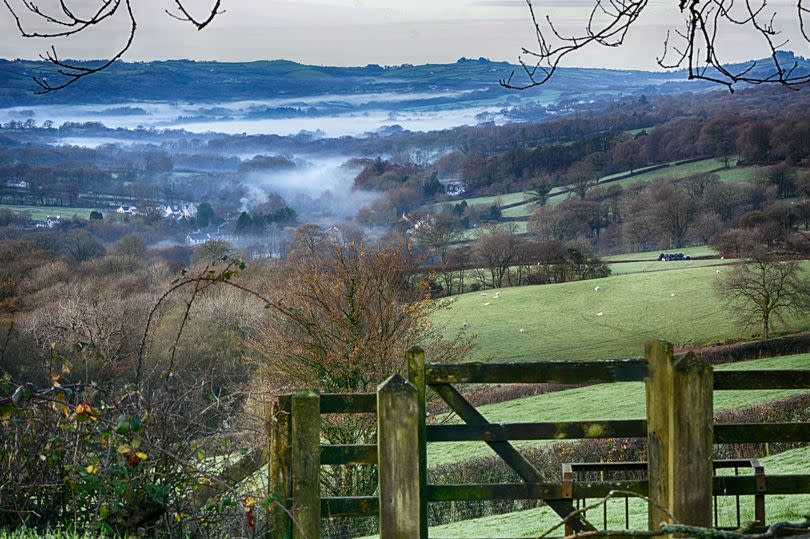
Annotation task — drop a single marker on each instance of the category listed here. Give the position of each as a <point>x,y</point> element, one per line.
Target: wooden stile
<point>679,437</point>
<point>305,448</point>
<point>398,447</point>
<point>416,375</point>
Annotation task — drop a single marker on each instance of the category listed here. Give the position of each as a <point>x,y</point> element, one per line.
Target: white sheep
<point>717,271</point>
<point>497,295</point>
<point>483,293</point>
<point>600,313</point>
<point>522,330</point>
<point>598,289</point>
<point>672,295</point>
<point>487,303</point>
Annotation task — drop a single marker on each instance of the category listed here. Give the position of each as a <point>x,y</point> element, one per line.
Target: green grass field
<point>601,402</point>
<point>563,321</point>
<point>623,268</point>
<point>534,522</point>
<point>39,213</point>
<point>731,175</point>
<point>741,174</point>
<point>509,198</point>
<point>521,227</point>
<point>675,171</point>
<point>701,250</point>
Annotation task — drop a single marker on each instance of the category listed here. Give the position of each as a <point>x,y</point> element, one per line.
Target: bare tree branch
<point>696,49</point>
<point>64,22</point>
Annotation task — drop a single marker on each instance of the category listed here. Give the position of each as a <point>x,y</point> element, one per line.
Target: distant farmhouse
<point>49,222</point>
<point>454,188</point>
<point>198,238</point>
<point>17,184</point>
<point>176,212</point>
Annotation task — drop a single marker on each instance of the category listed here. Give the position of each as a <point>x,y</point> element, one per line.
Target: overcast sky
<point>387,32</point>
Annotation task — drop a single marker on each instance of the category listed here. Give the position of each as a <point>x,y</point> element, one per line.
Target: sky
<point>386,32</point>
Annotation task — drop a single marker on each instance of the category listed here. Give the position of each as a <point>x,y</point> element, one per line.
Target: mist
<point>328,115</point>
<point>317,188</point>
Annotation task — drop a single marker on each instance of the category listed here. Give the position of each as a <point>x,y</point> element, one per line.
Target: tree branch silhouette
<point>694,48</point>
<point>65,22</point>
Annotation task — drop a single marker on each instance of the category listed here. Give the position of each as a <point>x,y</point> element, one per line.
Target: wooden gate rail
<point>724,485</point>
<point>678,427</point>
<point>599,372</point>
<point>694,382</point>
<point>724,433</point>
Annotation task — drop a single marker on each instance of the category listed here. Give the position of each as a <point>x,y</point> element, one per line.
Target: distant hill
<point>187,80</point>
<point>226,81</point>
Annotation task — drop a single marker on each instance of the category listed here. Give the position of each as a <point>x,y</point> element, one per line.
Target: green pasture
<point>727,175</point>
<point>521,227</point>
<point>701,250</point>
<point>598,403</point>
<point>741,174</point>
<point>39,213</point>
<point>534,522</point>
<point>623,268</point>
<point>563,321</point>
<point>674,171</point>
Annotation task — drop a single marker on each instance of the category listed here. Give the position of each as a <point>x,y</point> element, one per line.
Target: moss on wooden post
<point>305,456</point>
<point>398,458</point>
<point>679,437</point>
<point>416,375</point>
<point>278,481</point>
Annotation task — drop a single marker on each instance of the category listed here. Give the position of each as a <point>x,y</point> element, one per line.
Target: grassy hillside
<point>601,402</point>
<point>39,213</point>
<point>728,175</point>
<point>702,250</point>
<point>534,522</point>
<point>623,268</point>
<point>562,322</point>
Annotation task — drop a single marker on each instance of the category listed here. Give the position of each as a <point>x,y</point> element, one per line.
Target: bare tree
<point>496,252</point>
<point>765,289</point>
<point>71,18</point>
<point>695,47</point>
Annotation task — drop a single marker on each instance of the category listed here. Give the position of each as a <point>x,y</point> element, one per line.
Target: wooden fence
<point>679,429</point>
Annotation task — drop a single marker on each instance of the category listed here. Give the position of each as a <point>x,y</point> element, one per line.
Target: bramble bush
<point>72,457</point>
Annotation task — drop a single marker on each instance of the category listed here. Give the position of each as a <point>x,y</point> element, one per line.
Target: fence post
<point>679,437</point>
<point>278,480</point>
<point>398,458</point>
<point>305,455</point>
<point>416,375</point>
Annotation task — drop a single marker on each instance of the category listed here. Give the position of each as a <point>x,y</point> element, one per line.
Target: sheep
<point>672,295</point>
<point>598,289</point>
<point>497,295</point>
<point>465,325</point>
<point>487,303</point>
<point>483,293</point>
<point>717,271</point>
<point>600,313</point>
<point>522,330</point>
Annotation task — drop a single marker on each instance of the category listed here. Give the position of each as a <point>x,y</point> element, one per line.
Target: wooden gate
<point>678,428</point>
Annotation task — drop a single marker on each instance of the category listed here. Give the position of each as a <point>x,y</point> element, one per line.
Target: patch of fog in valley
<point>329,115</point>
<point>317,188</point>
<point>95,142</point>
